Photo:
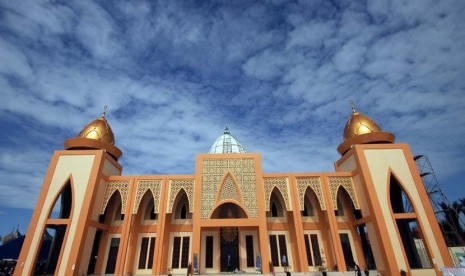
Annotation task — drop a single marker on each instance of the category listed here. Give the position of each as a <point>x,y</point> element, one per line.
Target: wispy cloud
<point>279,73</point>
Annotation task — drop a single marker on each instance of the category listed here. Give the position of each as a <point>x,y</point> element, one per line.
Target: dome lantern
<point>361,129</point>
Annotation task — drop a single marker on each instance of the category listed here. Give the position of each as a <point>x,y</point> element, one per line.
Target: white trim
<point>170,253</point>
<point>289,252</point>
<point>243,250</point>
<point>137,256</point>
<point>107,250</point>
<point>216,252</point>
<point>321,247</point>
<point>352,247</point>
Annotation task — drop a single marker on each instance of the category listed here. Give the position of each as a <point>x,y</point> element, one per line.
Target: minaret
<point>73,186</point>
<point>396,214</point>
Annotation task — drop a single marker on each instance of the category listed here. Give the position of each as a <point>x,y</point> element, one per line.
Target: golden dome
<point>98,129</point>
<point>95,135</point>
<point>359,124</point>
<point>360,129</point>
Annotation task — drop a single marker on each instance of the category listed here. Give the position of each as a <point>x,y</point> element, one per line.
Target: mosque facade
<point>372,212</point>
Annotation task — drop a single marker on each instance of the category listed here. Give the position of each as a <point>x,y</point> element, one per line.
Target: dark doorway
<point>229,249</point>
<point>112,255</point>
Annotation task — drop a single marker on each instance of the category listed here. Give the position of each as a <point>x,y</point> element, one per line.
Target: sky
<point>279,74</point>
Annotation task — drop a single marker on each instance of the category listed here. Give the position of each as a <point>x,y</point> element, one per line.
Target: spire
<point>104,111</point>
<point>353,106</point>
<point>226,130</point>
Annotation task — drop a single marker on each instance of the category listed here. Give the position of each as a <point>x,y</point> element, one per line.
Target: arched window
<point>149,213</point>
<point>62,207</point>
<point>310,200</point>
<point>55,231</point>
<point>118,215</point>
<point>181,206</point>
<point>276,205</point>
<point>183,214</point>
<point>407,225</point>
<point>340,208</point>
<point>308,209</point>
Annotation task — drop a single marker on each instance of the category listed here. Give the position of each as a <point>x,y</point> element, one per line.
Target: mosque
<point>230,215</point>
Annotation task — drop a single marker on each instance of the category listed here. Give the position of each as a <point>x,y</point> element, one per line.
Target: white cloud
<point>279,74</point>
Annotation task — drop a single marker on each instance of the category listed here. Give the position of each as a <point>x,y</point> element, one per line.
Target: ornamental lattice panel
<point>229,190</point>
<point>346,182</point>
<point>281,184</point>
<point>313,183</point>
<point>110,188</point>
<point>142,187</point>
<point>175,187</point>
<point>244,172</point>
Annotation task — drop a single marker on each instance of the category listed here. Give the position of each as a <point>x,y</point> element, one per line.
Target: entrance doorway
<point>229,249</point>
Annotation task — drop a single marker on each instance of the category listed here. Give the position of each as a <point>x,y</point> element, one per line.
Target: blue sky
<point>280,74</point>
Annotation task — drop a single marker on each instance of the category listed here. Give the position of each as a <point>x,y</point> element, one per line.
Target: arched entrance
<point>229,236</point>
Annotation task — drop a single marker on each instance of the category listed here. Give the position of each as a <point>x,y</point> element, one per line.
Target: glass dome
<point>226,143</point>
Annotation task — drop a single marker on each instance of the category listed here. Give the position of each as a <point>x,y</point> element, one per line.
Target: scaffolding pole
<point>449,218</point>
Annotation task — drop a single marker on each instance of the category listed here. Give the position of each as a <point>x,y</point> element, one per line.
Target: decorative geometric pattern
<point>175,187</point>
<point>337,181</point>
<point>313,183</point>
<point>142,187</point>
<point>282,185</point>
<point>229,190</point>
<point>242,169</point>
<point>111,187</point>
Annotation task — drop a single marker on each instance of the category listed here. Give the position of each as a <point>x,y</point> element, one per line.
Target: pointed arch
<point>142,187</point>
<point>342,199</point>
<point>54,244</point>
<point>314,183</point>
<point>309,208</point>
<point>399,199</point>
<point>187,185</point>
<point>181,208</point>
<point>276,204</point>
<point>146,208</point>
<point>111,187</point>
<point>64,200</point>
<point>282,185</point>
<point>408,228</point>
<point>113,210</point>
<point>335,183</point>
<point>229,189</point>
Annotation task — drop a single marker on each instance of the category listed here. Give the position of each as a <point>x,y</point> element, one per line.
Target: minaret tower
<point>397,221</point>
<point>67,207</point>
